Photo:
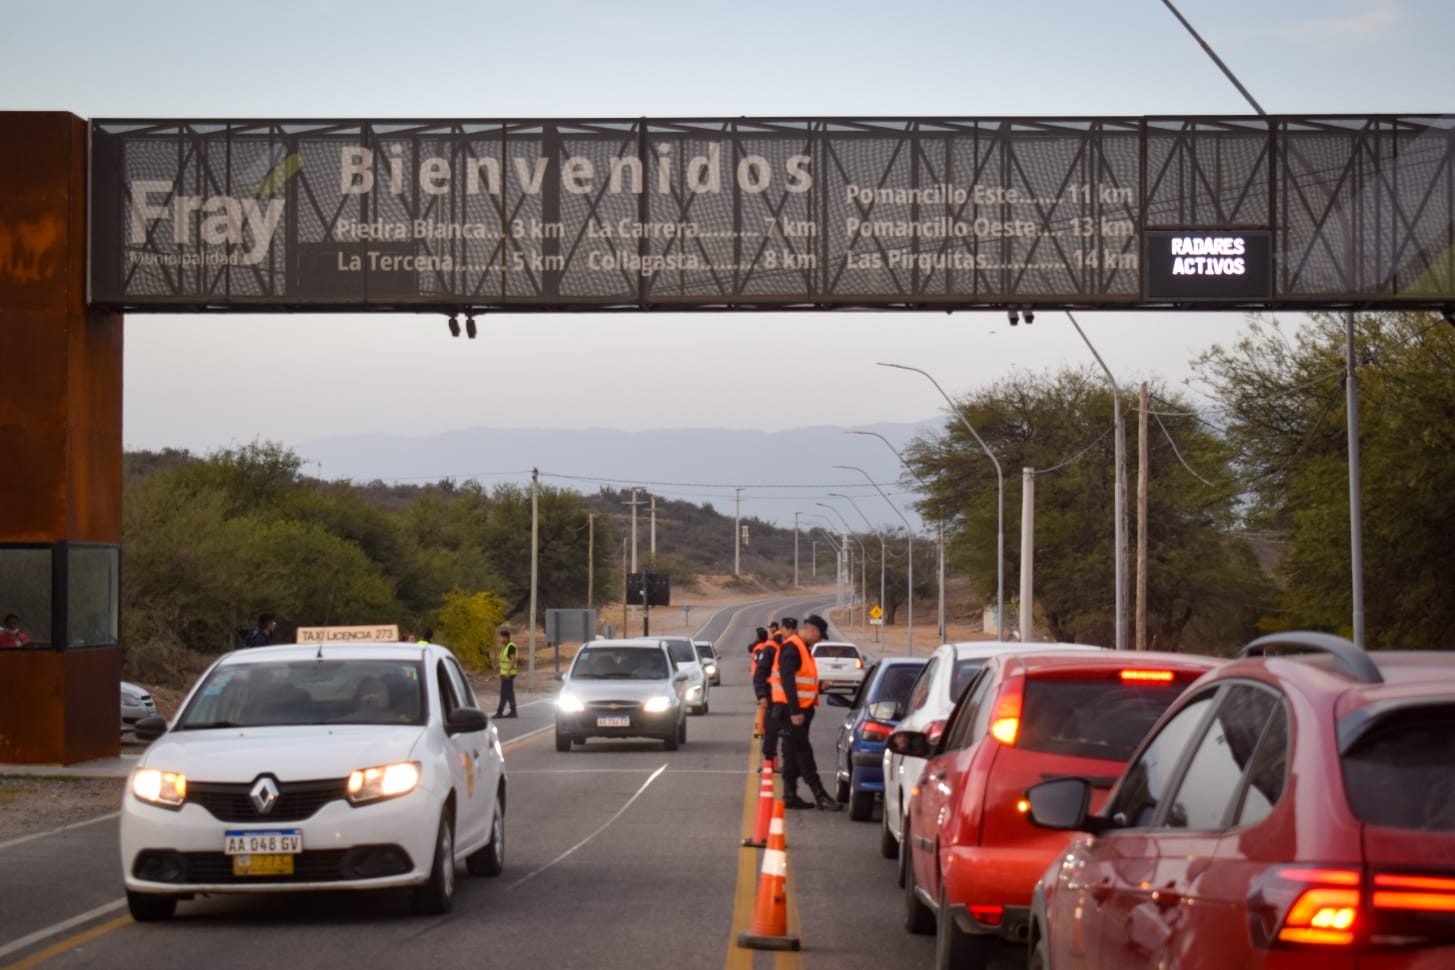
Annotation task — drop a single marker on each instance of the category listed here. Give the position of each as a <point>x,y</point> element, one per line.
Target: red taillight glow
<point>1388,881</point>
<point>1423,902</point>
<point>989,915</point>
<point>1006,721</point>
<point>875,731</point>
<point>1323,915</point>
<point>933,730</point>
<point>1147,676</point>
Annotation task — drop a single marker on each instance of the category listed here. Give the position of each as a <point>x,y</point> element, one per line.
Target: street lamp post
<point>863,567</point>
<point>909,535</point>
<point>882,558</point>
<point>939,524</point>
<point>1119,502</point>
<point>839,553</point>
<point>999,504</point>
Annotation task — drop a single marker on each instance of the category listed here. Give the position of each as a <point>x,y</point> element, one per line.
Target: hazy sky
<point>205,381</point>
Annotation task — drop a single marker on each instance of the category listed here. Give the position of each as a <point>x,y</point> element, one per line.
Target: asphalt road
<point>619,855</point>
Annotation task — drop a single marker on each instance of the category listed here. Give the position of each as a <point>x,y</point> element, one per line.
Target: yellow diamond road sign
<point>875,611</point>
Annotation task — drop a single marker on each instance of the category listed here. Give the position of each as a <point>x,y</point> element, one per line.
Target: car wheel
<point>841,790</point>
<point>955,949</point>
<point>704,705</point>
<point>670,743</point>
<point>489,860</point>
<point>149,907</point>
<point>888,844</point>
<point>437,896</point>
<point>861,805</point>
<point>1040,955</point>
<point>682,731</point>
<point>563,741</point>
<point>917,916</point>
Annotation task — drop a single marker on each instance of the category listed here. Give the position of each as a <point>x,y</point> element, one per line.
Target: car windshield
<point>307,692</point>
<point>682,651</point>
<point>625,663</point>
<point>1398,775</point>
<point>1103,719</point>
<point>835,650</point>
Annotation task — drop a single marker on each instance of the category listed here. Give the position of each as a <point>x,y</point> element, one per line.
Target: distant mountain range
<point>693,464</point>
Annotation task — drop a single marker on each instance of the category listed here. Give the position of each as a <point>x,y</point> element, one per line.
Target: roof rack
<point>1348,656</point>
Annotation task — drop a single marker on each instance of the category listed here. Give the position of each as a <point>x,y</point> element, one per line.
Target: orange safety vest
<point>805,684</point>
<point>753,657</point>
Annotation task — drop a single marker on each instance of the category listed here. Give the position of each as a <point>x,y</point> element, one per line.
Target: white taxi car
<point>367,766</point>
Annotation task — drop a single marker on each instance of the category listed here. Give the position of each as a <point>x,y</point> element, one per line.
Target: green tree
<point>466,623</point>
<point>1286,415</point>
<point>1205,589</point>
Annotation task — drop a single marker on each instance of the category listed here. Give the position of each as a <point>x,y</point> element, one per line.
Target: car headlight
<point>385,781</point>
<point>570,703</point>
<point>165,788</point>
<point>694,690</point>
<point>711,669</point>
<point>656,705</point>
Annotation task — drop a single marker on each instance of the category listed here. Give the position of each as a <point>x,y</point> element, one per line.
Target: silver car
<point>710,661</point>
<point>622,689</point>
<point>136,704</point>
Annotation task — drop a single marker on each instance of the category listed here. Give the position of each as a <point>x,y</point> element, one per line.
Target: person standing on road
<point>262,635</point>
<point>765,651</point>
<point>507,665</point>
<point>795,687</point>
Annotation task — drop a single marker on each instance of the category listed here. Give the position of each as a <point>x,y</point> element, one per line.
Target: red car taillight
<point>876,731</point>
<point>1294,905</point>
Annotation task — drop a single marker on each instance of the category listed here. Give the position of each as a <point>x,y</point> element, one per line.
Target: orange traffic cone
<point>770,915</point>
<point>765,808</point>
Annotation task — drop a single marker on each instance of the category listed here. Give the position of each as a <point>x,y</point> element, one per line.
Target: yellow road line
<point>56,949</point>
<point>738,957</point>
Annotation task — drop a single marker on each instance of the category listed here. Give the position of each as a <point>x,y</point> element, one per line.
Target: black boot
<point>791,800</point>
<point>825,801</point>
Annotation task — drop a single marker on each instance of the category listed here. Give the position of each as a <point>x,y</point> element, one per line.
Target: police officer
<point>765,651</point>
<point>507,665</point>
<point>795,688</point>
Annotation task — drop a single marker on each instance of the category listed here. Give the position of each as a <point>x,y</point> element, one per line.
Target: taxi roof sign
<point>386,632</point>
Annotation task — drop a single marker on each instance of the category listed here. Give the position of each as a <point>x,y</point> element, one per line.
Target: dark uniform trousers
<point>798,761</point>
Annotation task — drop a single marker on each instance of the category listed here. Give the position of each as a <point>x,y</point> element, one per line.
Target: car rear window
<point>620,663</point>
<point>1399,773</point>
<point>682,651</point>
<point>829,650</point>
<point>896,682</point>
<point>964,673</point>
<point>1103,719</point>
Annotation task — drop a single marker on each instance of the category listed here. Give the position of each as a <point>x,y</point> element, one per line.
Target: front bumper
<point>384,844</point>
<point>585,724</point>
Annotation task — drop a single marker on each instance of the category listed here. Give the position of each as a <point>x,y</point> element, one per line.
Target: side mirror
<point>1062,803</point>
<point>465,720</point>
<point>150,728</point>
<point>836,700</point>
<point>885,711</point>
<point>912,744</point>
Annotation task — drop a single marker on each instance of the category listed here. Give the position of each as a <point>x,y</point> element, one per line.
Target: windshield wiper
<point>212,724</point>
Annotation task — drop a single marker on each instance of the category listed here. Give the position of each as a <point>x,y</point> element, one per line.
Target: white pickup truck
<point>840,666</point>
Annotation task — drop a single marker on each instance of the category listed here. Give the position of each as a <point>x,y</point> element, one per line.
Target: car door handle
<point>1101,891</point>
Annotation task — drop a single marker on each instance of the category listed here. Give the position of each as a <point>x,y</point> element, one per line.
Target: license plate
<point>263,842</point>
<point>262,865</point>
<point>614,720</point>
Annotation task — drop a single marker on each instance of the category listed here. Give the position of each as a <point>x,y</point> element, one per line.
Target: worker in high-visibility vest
<point>795,697</point>
<point>765,651</point>
<point>507,665</point>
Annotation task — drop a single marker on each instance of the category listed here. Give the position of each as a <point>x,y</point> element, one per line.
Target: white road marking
<point>604,826</point>
<point>57,928</point>
<point>64,828</point>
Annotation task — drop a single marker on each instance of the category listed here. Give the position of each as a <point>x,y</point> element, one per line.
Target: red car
<point>1285,813</point>
<point>972,857</point>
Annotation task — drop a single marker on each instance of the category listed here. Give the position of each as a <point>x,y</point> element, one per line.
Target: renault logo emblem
<point>264,795</point>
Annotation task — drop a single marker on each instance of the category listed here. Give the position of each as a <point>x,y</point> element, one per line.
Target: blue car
<point>875,710</point>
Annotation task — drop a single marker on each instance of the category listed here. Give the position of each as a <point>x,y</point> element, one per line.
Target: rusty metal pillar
<point>60,435</point>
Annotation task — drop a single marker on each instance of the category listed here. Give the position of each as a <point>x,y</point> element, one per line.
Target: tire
<point>149,907</point>
<point>861,805</point>
<point>1040,955</point>
<point>841,790</point>
<point>704,705</point>
<point>955,950</point>
<point>682,732</point>
<point>489,859</point>
<point>563,741</point>
<point>670,743</point>
<point>888,844</point>
<point>437,896</point>
<point>917,916</point>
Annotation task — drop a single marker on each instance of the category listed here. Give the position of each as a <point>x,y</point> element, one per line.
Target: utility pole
<point>795,550</point>
<point>1141,634</point>
<point>590,559</point>
<point>535,545</point>
<point>634,503</point>
<point>654,528</point>
<point>815,558</point>
<point>737,532</point>
<point>1028,550</point>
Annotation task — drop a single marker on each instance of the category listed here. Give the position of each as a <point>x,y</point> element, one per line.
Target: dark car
<point>875,709</point>
<point>1285,812</point>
